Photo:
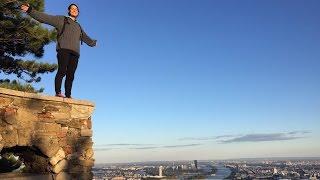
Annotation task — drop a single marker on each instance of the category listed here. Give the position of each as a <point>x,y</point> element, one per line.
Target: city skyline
<point>180,80</point>
<point>227,169</point>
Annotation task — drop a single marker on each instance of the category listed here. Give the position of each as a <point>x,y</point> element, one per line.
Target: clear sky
<point>198,79</point>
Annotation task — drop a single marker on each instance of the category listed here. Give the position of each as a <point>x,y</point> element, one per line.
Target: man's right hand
<point>24,7</point>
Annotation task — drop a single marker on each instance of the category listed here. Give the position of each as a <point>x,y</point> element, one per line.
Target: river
<point>222,172</point>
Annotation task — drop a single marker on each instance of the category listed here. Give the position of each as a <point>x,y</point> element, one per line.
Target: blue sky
<point>188,79</point>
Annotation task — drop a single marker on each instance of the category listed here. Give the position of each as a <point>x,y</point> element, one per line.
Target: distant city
<point>271,168</point>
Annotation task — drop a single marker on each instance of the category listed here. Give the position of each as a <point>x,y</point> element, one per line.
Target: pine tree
<point>20,35</point>
<point>9,163</point>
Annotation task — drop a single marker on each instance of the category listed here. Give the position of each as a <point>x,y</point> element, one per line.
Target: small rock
<point>86,132</point>
<point>89,153</point>
<point>64,129</point>
<point>89,123</point>
<point>9,115</point>
<point>62,165</point>
<point>10,127</point>
<point>56,158</point>
<point>49,108</point>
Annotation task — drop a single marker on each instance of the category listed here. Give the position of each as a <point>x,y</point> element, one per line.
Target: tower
<point>160,170</point>
<point>195,164</point>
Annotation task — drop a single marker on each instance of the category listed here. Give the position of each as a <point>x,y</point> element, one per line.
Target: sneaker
<point>60,95</point>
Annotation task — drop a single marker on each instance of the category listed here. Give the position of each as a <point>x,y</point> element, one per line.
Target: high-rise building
<point>275,171</point>
<point>160,170</point>
<point>196,164</point>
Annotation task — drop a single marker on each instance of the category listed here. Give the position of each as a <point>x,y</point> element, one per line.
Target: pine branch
<point>19,36</point>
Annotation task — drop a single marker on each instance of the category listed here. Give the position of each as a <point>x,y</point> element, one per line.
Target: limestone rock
<point>24,136</point>
<point>54,133</point>
<point>9,115</point>
<point>10,127</point>
<point>10,137</point>
<point>89,153</point>
<point>63,176</point>
<point>51,108</point>
<point>76,123</point>
<point>33,104</point>
<point>45,115</point>
<point>47,127</point>
<point>62,165</point>
<point>65,129</point>
<point>72,156</point>
<point>58,110</point>
<point>63,132</point>
<point>86,163</point>
<point>73,133</point>
<point>84,143</point>
<point>5,101</point>
<point>49,146</point>
<point>81,112</point>
<point>69,149</point>
<point>76,168</point>
<point>86,132</point>
<point>89,123</point>
<point>26,117</point>
<point>56,158</point>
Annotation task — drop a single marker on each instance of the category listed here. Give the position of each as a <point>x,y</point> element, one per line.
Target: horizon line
<point>229,159</point>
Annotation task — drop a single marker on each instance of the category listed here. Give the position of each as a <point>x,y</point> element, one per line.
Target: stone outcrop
<point>59,129</point>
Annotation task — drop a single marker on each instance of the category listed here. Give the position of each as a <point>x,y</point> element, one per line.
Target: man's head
<point>73,10</point>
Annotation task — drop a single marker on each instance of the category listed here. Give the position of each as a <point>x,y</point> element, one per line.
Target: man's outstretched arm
<point>42,17</point>
<point>88,40</point>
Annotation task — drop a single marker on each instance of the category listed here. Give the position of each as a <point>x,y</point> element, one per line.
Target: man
<point>69,36</point>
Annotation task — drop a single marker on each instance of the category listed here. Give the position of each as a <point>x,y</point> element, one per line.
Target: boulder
<point>62,165</point>
<point>58,157</point>
<point>48,145</point>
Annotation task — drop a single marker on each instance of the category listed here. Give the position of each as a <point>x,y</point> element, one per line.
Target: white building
<point>275,171</point>
<point>160,170</point>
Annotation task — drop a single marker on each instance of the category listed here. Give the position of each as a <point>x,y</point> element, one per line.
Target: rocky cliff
<point>50,134</point>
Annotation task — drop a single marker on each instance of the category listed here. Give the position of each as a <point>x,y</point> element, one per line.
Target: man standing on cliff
<point>69,36</point>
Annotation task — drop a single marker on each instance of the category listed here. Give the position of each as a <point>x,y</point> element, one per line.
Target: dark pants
<point>67,65</point>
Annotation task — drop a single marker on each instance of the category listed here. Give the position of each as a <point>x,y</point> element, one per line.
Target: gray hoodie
<point>71,36</point>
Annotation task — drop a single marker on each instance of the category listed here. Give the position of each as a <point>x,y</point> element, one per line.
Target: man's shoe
<point>60,95</point>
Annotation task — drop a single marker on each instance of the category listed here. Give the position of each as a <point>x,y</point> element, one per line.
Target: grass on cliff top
<point>16,85</point>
